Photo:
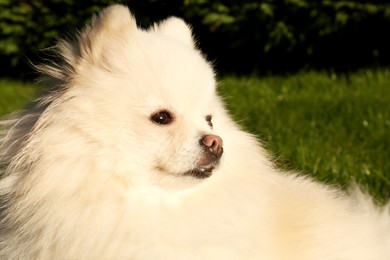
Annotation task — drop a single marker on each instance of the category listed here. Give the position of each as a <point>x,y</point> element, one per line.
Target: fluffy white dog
<point>133,156</point>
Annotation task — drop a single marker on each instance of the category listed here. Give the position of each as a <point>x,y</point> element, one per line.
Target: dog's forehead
<point>168,64</point>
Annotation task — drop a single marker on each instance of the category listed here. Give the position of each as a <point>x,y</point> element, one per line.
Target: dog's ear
<point>176,28</point>
<point>110,26</point>
<point>114,18</point>
<point>111,23</point>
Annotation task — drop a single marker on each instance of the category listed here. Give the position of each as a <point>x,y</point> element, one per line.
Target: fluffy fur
<point>87,174</point>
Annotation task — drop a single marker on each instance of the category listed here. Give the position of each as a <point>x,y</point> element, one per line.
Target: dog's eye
<point>208,119</point>
<point>162,117</point>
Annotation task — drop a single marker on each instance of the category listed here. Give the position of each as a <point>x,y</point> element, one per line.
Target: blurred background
<point>269,36</point>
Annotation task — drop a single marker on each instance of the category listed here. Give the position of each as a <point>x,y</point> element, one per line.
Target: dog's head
<point>145,99</point>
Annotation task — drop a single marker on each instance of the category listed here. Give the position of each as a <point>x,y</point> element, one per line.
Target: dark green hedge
<point>29,26</point>
<point>291,34</point>
<point>280,35</point>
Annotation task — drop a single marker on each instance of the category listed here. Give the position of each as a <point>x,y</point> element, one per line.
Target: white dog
<point>133,156</point>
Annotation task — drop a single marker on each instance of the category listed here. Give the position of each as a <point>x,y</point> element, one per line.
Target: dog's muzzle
<point>212,146</point>
<point>213,149</point>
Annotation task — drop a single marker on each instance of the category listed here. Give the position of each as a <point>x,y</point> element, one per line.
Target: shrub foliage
<point>276,35</point>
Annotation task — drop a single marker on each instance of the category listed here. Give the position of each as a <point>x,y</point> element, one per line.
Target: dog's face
<point>173,103</point>
<point>147,98</point>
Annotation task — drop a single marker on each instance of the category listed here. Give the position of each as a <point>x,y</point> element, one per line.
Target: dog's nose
<point>214,143</point>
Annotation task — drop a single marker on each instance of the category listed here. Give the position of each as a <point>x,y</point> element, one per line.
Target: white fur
<point>87,175</point>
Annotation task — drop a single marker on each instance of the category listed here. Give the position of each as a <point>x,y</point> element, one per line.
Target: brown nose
<point>214,143</point>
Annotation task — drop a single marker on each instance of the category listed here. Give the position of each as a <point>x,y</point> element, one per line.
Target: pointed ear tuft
<point>115,17</point>
<point>176,28</point>
<point>111,24</point>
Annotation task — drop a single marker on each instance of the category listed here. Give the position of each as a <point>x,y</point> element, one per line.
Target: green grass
<point>336,129</point>
<point>15,94</point>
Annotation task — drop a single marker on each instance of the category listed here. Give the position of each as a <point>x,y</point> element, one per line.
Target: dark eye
<point>208,119</point>
<point>162,117</point>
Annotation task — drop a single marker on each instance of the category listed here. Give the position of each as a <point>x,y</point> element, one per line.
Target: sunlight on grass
<point>334,128</point>
<point>15,94</point>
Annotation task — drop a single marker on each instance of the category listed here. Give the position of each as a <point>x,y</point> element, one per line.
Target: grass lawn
<point>334,128</point>
<point>15,94</point>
